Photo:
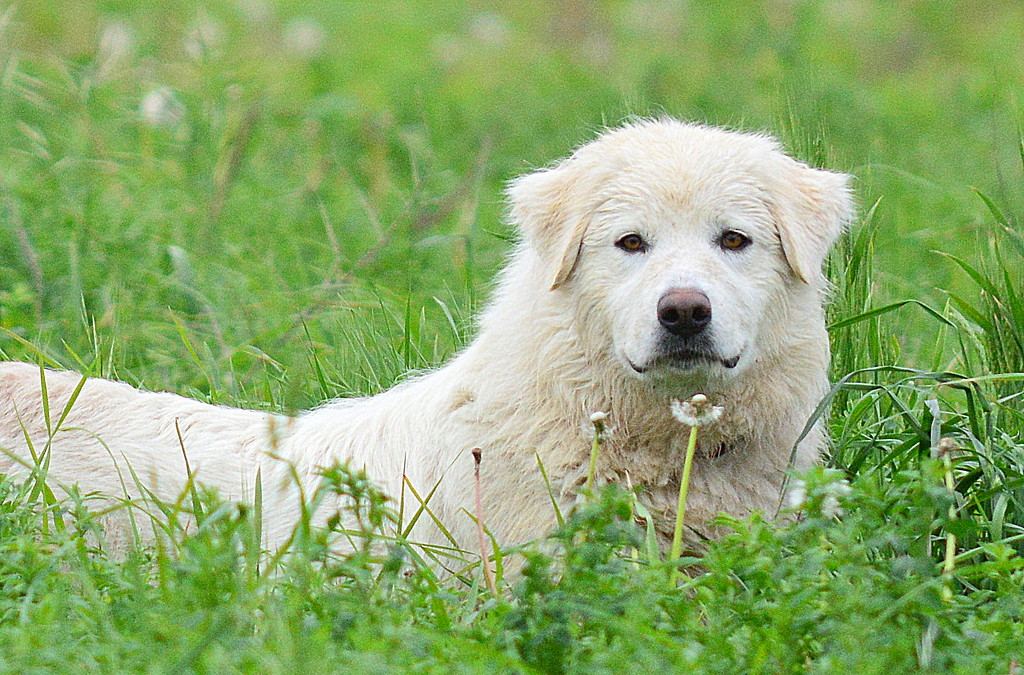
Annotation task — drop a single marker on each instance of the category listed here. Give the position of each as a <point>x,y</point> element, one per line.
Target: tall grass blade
<point>197,506</point>
<point>879,311</point>
<point>551,493</point>
<point>183,334</point>
<point>993,209</point>
<point>32,348</point>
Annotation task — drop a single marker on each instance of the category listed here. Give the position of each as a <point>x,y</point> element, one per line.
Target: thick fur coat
<point>582,320</point>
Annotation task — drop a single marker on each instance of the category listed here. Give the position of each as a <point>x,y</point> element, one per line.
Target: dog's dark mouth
<point>686,360</point>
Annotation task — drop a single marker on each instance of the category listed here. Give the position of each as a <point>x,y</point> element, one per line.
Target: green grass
<point>315,210</point>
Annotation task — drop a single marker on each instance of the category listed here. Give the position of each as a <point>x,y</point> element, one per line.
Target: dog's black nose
<point>684,311</point>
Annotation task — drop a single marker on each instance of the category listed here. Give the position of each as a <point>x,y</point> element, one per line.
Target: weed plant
<point>271,204</point>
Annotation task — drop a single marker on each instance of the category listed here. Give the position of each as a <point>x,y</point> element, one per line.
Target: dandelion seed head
<point>697,412</point>
<point>160,107</point>
<point>491,29</point>
<point>116,47</point>
<point>598,425</point>
<point>205,36</point>
<point>449,50</point>
<point>256,11</point>
<point>304,37</point>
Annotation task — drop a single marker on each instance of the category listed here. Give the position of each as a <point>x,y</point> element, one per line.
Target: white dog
<point>660,260</point>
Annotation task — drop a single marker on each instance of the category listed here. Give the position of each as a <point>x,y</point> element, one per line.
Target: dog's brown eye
<point>633,243</point>
<point>734,241</point>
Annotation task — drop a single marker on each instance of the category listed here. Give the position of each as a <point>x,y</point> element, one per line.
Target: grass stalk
<point>945,447</point>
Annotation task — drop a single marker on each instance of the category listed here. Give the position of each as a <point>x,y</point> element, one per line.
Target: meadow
<point>268,203</point>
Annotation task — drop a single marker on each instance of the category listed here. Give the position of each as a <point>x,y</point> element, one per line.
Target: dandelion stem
<point>684,487</point>
<point>593,463</point>
<point>597,419</point>
<point>480,523</point>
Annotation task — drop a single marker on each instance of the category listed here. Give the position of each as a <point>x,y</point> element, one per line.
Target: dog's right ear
<point>548,210</point>
<point>812,209</point>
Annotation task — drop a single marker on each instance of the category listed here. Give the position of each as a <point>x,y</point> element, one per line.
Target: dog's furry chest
<point>728,475</point>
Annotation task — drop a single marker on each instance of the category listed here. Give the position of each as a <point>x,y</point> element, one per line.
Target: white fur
<point>571,317</point>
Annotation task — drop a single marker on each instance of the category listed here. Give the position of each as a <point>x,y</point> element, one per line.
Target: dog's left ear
<point>812,208</point>
<point>548,208</point>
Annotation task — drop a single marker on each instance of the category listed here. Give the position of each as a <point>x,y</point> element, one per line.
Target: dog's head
<point>682,246</point>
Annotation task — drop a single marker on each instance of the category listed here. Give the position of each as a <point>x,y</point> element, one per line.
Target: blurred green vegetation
<point>290,178</point>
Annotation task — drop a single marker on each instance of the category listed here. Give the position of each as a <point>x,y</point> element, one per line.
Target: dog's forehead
<point>672,144</point>
<point>653,192</point>
<point>672,167</point>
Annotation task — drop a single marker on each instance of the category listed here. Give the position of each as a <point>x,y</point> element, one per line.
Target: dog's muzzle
<point>685,315</point>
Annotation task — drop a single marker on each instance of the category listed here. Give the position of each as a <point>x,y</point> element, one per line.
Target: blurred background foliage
<point>250,185</point>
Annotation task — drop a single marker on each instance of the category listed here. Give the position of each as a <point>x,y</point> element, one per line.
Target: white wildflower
<point>448,50</point>
<point>160,107</point>
<point>256,11</point>
<point>490,29</point>
<point>834,494</point>
<point>840,488</point>
<point>116,47</point>
<point>697,412</point>
<point>830,507</point>
<point>796,497</point>
<point>304,37</point>
<point>205,36</point>
<point>831,495</point>
<point>655,18</point>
